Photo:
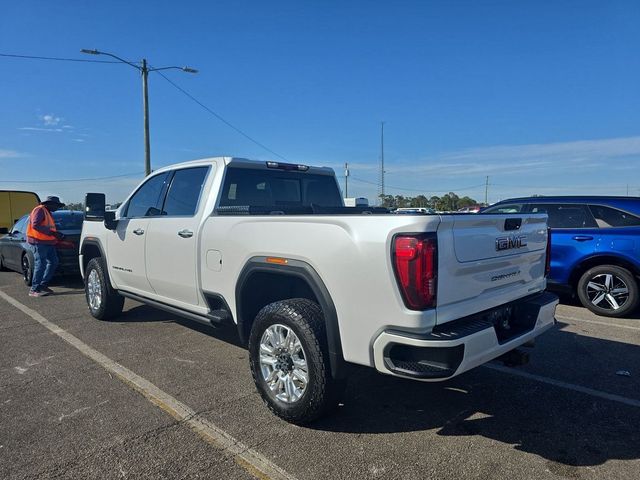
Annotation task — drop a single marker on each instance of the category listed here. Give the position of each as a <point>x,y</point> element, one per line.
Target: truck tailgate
<point>487,260</point>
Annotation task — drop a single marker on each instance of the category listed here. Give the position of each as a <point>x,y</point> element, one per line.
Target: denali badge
<point>513,241</point>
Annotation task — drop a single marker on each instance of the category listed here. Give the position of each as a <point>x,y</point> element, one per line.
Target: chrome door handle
<point>138,231</point>
<point>185,233</point>
<point>582,238</point>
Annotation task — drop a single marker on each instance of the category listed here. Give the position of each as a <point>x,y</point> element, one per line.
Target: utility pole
<point>346,180</point>
<point>486,191</point>
<point>145,103</point>
<point>381,161</point>
<point>144,70</point>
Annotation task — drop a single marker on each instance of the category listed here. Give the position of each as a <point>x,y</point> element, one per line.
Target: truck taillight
<point>547,263</point>
<point>414,260</point>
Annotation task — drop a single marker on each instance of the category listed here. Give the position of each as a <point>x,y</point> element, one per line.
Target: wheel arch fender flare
<point>305,272</point>
<point>95,243</point>
<point>596,260</point>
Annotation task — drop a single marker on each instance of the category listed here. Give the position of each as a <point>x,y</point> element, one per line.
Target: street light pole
<point>145,103</point>
<point>144,71</point>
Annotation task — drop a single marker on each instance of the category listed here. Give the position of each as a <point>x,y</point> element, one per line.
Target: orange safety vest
<point>48,222</point>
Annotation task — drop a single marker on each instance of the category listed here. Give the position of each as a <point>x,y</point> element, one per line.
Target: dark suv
<point>595,247</point>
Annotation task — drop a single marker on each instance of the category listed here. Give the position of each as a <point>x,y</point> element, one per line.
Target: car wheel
<point>290,361</point>
<point>608,290</point>
<point>27,269</point>
<point>104,303</point>
<point>2,267</point>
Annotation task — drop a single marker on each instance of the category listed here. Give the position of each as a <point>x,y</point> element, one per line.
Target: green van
<point>13,205</point>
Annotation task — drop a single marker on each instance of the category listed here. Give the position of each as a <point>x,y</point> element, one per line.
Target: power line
<point>219,117</point>
<point>59,59</point>
<point>194,99</point>
<point>73,179</point>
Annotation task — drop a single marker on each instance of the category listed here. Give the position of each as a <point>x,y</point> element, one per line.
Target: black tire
<point>621,278</point>
<point>322,392</point>
<point>110,302</point>
<point>2,267</point>
<point>27,268</point>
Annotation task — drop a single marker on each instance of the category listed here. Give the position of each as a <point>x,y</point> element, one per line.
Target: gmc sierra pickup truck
<point>312,285</point>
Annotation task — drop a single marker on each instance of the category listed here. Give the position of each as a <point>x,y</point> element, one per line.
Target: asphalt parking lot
<point>153,396</point>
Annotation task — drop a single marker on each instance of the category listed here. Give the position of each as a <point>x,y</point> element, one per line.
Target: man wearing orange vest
<point>43,237</point>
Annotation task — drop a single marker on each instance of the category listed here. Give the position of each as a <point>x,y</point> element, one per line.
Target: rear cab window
<point>273,188</point>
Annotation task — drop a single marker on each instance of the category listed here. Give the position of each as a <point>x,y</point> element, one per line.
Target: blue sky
<point>541,96</point>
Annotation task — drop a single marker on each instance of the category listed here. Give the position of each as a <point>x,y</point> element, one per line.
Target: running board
<point>215,319</point>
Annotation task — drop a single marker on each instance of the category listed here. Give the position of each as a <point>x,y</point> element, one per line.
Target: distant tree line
<point>448,202</point>
<point>79,207</point>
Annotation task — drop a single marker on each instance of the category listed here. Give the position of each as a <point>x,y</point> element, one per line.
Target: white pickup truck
<point>312,285</point>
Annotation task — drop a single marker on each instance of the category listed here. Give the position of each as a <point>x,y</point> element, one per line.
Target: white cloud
<point>41,129</point>
<point>50,120</point>
<point>584,166</point>
<point>11,154</point>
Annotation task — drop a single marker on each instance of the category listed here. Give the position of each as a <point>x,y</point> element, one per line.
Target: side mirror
<point>4,230</point>
<point>110,221</point>
<point>94,206</point>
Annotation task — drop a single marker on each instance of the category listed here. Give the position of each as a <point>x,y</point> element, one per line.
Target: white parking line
<point>605,324</point>
<point>249,459</point>
<point>569,386</point>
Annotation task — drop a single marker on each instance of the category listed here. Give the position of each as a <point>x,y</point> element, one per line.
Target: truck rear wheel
<point>290,362</point>
<point>103,302</point>
<point>608,290</point>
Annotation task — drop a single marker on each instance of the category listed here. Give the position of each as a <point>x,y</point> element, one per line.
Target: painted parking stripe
<point>252,461</point>
<point>605,324</point>
<point>568,386</point>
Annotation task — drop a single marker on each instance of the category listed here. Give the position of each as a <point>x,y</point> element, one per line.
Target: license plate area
<point>512,320</point>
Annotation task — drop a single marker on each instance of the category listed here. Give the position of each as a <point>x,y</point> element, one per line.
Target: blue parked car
<point>595,247</point>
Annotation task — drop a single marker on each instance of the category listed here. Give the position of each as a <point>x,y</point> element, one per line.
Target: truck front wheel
<point>290,362</point>
<point>103,302</point>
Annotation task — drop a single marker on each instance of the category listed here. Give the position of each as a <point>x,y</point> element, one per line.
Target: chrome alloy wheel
<point>94,290</point>
<point>283,363</point>
<point>607,291</point>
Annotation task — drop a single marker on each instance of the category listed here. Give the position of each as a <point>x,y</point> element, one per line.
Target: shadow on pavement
<point>567,428</point>
<point>145,313</point>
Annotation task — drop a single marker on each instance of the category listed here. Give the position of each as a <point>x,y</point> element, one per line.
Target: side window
<point>184,192</point>
<point>147,201</point>
<point>506,208</point>
<point>566,216</point>
<point>608,217</point>
<point>21,225</point>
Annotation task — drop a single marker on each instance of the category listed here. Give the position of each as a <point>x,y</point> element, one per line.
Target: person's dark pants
<point>46,262</point>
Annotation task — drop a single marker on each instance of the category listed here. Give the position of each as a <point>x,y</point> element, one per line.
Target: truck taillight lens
<point>547,263</point>
<point>414,259</point>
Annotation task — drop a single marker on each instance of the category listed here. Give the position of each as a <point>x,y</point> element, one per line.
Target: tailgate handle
<point>512,224</point>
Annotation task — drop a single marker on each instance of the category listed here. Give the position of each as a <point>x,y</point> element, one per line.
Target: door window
<point>184,192</point>
<point>608,217</point>
<point>566,216</point>
<point>147,201</point>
